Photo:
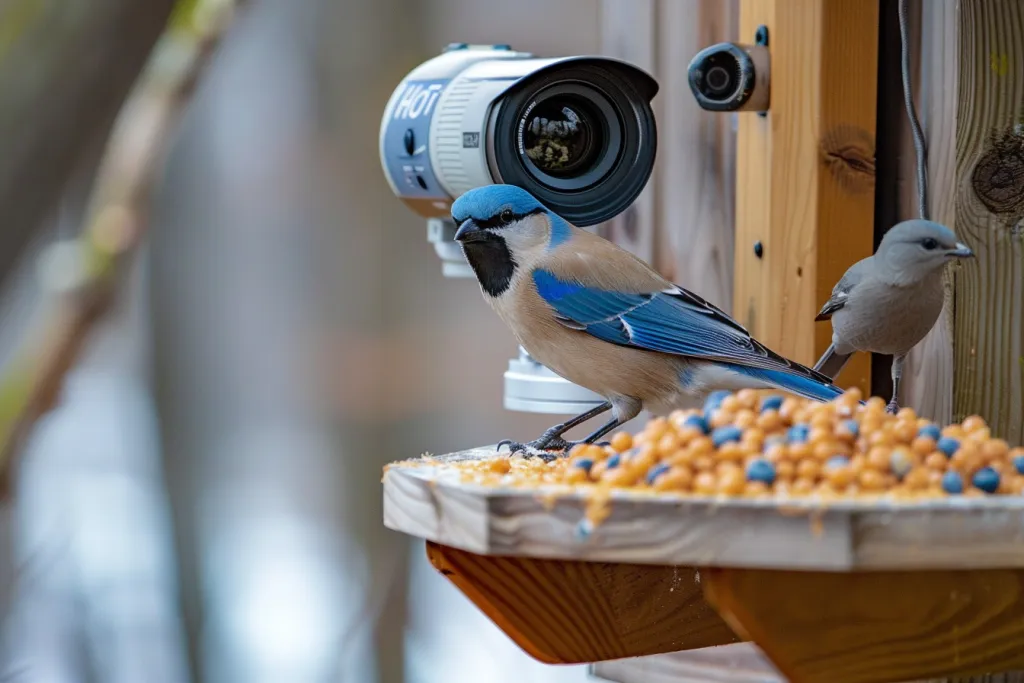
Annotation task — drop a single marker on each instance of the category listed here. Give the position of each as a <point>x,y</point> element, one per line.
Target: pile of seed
<point>750,444</point>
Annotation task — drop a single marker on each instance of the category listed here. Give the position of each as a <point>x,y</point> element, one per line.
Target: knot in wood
<point>848,152</point>
<point>998,177</point>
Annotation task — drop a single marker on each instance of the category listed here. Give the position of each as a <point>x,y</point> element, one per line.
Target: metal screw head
<point>758,249</point>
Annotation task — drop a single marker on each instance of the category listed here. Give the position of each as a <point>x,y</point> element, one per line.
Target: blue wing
<point>673,321</point>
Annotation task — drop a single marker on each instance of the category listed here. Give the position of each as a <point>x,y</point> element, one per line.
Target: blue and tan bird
<point>603,319</point>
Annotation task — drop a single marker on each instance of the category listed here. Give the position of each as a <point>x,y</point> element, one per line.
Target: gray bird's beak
<point>961,251</point>
<point>469,231</point>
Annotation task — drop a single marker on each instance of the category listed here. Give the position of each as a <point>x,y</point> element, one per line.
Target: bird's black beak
<point>961,251</point>
<point>469,231</point>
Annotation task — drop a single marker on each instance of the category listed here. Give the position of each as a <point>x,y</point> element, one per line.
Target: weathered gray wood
<point>431,502</point>
<point>738,663</point>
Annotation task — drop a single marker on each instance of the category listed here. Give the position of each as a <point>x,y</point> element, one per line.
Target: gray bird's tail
<point>832,363</point>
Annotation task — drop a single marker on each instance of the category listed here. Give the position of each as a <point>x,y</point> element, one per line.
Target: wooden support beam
<point>927,384</point>
<point>629,31</point>
<point>876,627</point>
<point>805,172</point>
<point>988,319</point>
<point>696,154</point>
<point>568,612</point>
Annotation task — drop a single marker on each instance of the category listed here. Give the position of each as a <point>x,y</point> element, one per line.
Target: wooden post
<point>696,153</point>
<point>805,172</point>
<point>988,312</point>
<point>927,384</point>
<point>629,31</point>
<point>682,223</point>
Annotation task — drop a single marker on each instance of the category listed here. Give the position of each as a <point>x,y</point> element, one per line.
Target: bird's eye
<point>929,243</point>
<point>507,216</point>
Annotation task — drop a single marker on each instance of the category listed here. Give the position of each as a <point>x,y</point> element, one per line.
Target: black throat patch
<point>492,262</point>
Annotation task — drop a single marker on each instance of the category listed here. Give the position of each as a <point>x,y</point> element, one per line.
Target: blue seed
<point>1018,464</point>
<point>714,400</point>
<point>986,479</point>
<point>655,472</point>
<point>798,433</point>
<point>697,422</point>
<point>726,434</point>
<point>585,464</point>
<point>836,461</point>
<point>931,431</point>
<point>948,445</point>
<point>761,470</point>
<point>900,463</point>
<point>771,403</point>
<point>852,427</point>
<point>614,461</point>
<point>952,482</point>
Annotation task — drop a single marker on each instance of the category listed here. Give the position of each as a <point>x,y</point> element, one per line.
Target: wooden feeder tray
<point>853,592</point>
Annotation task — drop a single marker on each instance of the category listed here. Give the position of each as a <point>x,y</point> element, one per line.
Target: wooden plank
<point>696,154</point>
<point>876,627</point>
<point>629,31</point>
<point>805,185</point>
<point>989,290</point>
<point>580,612</point>
<point>737,663</point>
<point>430,501</point>
<point>927,383</point>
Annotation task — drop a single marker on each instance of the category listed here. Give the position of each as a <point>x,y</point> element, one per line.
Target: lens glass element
<point>721,75</point>
<point>562,136</point>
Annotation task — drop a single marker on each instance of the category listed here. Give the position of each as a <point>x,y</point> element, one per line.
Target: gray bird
<point>888,302</point>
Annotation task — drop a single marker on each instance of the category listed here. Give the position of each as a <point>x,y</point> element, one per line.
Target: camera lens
<point>721,74</point>
<point>562,136</point>
<point>581,138</point>
<point>568,136</point>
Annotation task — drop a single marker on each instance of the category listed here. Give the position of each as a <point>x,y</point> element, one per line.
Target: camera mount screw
<point>761,38</point>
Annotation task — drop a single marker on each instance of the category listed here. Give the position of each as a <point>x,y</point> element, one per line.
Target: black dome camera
<point>731,77</point>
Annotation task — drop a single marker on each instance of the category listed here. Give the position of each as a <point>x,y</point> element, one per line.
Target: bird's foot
<point>546,448</point>
<point>893,407</point>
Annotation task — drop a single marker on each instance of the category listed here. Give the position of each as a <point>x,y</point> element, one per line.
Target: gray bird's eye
<point>506,216</point>
<point>929,243</point>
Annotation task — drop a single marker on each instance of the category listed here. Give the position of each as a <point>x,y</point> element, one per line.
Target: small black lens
<point>718,79</point>
<point>721,74</point>
<point>562,137</point>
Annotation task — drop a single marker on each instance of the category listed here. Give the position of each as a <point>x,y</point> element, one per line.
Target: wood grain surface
<point>989,290</point>
<point>805,173</point>
<point>430,502</point>
<point>696,155</point>
<point>876,627</point>
<point>927,384</point>
<point>565,612</point>
<point>629,31</point>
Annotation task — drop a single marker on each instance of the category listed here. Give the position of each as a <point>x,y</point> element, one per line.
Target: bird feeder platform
<point>736,589</point>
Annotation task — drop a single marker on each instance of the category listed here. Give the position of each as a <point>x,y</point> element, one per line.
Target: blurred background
<point>204,503</point>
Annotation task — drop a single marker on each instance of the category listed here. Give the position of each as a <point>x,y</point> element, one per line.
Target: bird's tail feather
<point>802,385</point>
<point>831,363</point>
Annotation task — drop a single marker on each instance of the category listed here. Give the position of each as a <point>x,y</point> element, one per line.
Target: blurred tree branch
<point>80,277</point>
<point>65,69</point>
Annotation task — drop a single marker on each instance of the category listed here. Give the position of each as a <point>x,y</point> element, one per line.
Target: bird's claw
<point>892,408</point>
<point>544,448</point>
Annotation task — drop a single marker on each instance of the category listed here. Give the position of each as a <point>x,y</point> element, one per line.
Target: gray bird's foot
<point>893,407</point>
<point>545,448</point>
